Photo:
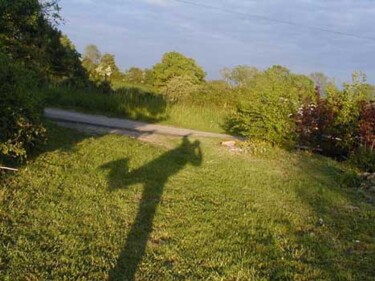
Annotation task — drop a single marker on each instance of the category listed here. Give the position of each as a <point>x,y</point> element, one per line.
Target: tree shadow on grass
<point>344,247</point>
<point>154,176</point>
<point>140,104</point>
<point>58,138</point>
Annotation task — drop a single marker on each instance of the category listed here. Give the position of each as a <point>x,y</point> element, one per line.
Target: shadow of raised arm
<point>154,176</point>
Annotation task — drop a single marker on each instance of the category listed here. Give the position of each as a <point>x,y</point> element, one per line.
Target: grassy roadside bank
<point>143,105</point>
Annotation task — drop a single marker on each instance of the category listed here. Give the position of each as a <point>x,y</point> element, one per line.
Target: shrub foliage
<point>269,104</point>
<point>367,124</point>
<point>20,112</point>
<point>33,53</point>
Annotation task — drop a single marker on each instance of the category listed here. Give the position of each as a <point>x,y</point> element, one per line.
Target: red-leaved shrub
<point>314,127</point>
<point>367,125</point>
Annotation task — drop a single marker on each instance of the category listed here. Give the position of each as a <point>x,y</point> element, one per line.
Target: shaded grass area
<point>112,207</point>
<point>140,104</point>
<point>133,103</point>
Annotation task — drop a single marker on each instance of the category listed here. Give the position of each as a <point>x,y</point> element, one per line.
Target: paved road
<point>103,124</point>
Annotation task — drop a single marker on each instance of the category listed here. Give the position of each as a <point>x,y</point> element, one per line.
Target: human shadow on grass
<point>154,176</point>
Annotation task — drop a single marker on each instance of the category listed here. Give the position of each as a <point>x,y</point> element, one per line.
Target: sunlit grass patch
<point>197,117</point>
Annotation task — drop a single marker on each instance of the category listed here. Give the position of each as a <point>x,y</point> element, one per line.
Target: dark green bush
<point>20,112</point>
<point>267,122</point>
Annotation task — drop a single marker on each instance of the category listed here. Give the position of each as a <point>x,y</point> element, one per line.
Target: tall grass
<point>141,104</point>
<point>132,103</point>
<point>198,117</point>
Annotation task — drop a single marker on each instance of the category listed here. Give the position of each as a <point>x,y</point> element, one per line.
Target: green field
<point>111,207</point>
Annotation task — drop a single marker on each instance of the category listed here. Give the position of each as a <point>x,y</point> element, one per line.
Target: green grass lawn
<point>111,207</point>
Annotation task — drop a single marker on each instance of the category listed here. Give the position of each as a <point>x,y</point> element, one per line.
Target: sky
<point>235,32</point>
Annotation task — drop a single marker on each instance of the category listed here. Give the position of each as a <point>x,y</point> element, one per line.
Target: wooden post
<point>8,169</point>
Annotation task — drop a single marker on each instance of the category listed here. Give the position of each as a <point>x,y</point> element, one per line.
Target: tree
<point>149,77</point>
<point>92,54</point>
<point>372,92</point>
<point>135,76</point>
<point>65,62</point>
<point>28,55</point>
<point>179,87</point>
<point>215,92</point>
<point>304,87</point>
<point>67,43</point>
<point>29,36</point>
<point>20,111</point>
<point>107,67</point>
<point>321,81</point>
<point>23,26</point>
<point>90,61</point>
<point>100,67</point>
<point>174,64</point>
<point>240,76</point>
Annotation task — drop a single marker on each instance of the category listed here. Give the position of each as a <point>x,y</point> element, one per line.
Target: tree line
<point>273,105</point>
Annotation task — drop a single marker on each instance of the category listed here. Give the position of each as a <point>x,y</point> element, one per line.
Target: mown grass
<point>140,104</point>
<point>110,207</point>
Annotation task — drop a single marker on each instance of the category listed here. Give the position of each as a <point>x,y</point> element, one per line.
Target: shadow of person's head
<point>192,151</point>
<point>157,170</point>
<point>118,172</point>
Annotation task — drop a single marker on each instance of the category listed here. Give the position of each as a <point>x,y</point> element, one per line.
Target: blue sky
<point>138,32</point>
